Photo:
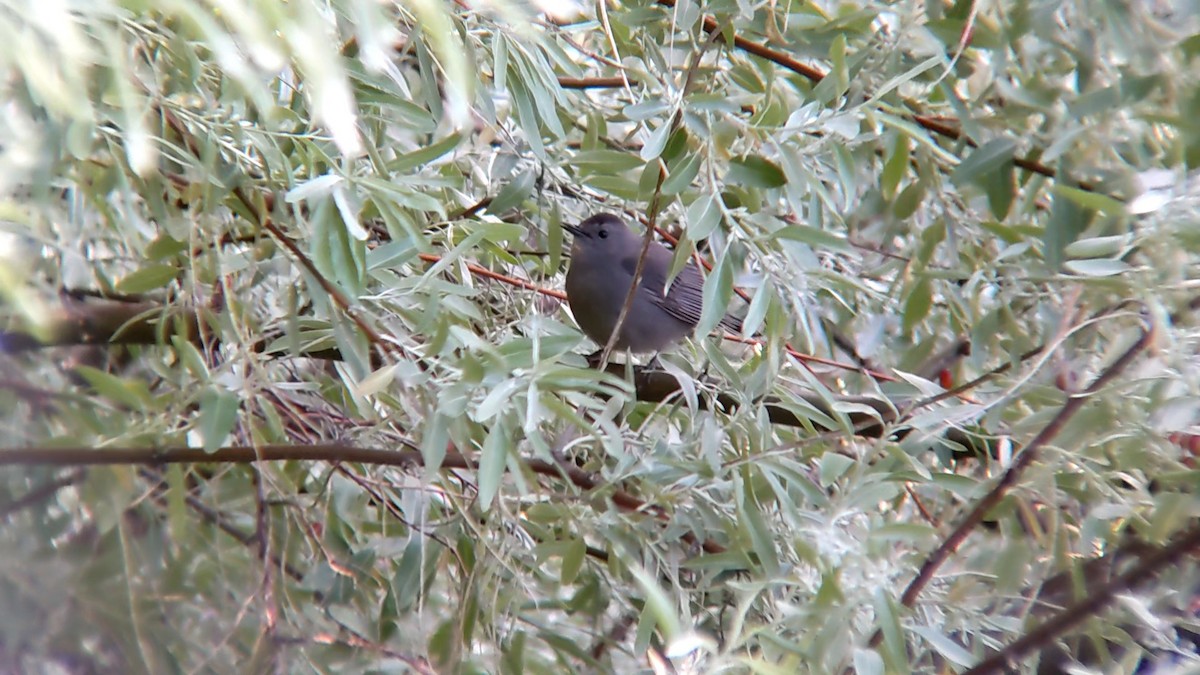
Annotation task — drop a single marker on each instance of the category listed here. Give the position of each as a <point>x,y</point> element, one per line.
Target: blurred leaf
<point>703,217</point>
<point>718,291</point>
<point>1096,267</point>
<point>945,646</point>
<point>606,161</point>
<point>1067,220</point>
<point>987,158</point>
<point>422,156</point>
<point>218,414</point>
<point>493,458</point>
<point>1090,200</point>
<point>755,171</point>
<point>147,278</point>
<point>513,193</point>
<point>572,561</point>
<point>813,237</point>
<point>917,303</point>
<point>126,392</point>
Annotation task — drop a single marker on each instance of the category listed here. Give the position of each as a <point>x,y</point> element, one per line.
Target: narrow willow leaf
<point>493,458</point>
<point>718,291</point>
<point>896,165</point>
<point>218,414</point>
<point>755,171</point>
<point>412,160</point>
<point>986,158</point>
<point>657,141</point>
<point>130,393</point>
<point>943,645</point>
<point>147,278</point>
<point>514,192</point>
<point>703,217</point>
<point>917,304</point>
<point>1090,199</point>
<point>572,561</point>
<point>682,173</point>
<point>819,239</point>
<point>606,161</point>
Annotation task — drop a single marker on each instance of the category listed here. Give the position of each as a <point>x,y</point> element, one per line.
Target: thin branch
<point>815,75</point>
<point>327,452</point>
<point>638,269</point>
<point>594,82</point>
<point>40,494</point>
<point>1097,599</point>
<point>1014,473</point>
<point>489,274</point>
<point>258,210</point>
<point>217,519</point>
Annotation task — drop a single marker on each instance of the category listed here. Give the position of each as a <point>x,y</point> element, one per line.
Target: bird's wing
<point>685,300</point>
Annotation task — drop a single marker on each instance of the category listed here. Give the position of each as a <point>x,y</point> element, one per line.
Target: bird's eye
<point>603,234</point>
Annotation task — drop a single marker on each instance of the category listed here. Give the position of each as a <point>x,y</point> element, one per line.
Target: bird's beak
<point>573,229</point>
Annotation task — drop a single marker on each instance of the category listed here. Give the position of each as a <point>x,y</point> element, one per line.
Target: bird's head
<point>604,236</point>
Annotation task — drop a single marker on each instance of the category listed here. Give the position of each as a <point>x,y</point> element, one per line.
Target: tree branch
<point>329,452</point>
<point>1097,599</point>
<point>1026,457</point>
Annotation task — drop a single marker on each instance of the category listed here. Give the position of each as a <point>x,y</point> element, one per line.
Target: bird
<point>604,255</point>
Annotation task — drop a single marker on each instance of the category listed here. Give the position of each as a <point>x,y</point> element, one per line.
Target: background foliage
<point>275,229</point>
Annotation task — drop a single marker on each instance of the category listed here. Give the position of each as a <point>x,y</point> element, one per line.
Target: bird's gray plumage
<point>604,256</point>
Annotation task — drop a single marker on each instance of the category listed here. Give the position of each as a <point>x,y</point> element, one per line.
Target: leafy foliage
<point>337,225</point>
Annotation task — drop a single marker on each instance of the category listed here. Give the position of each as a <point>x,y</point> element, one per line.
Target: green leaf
<point>917,304</point>
<point>718,291</point>
<point>833,467</point>
<point>1096,267</point>
<point>493,458</point>
<point>1090,199</point>
<point>682,173</point>
<point>987,158</point>
<point>814,237</point>
<point>656,143</point>
<point>909,200</point>
<point>948,648</point>
<point>896,165</point>
<point>1000,186</point>
<point>129,393</point>
<point>1067,220</point>
<point>755,171</point>
<point>606,161</point>
<point>411,160</point>
<point>1099,247</point>
<point>572,561</point>
<point>703,217</point>
<point>513,193</point>
<point>218,414</point>
<point>755,525</point>
<point>147,278</point>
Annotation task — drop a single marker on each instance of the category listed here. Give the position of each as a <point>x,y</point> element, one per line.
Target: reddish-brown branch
<point>594,82</point>
<point>489,274</point>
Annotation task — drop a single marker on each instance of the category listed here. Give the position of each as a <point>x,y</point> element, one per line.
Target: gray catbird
<point>603,259</point>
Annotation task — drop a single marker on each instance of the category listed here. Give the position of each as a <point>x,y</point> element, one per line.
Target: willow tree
<point>288,382</point>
